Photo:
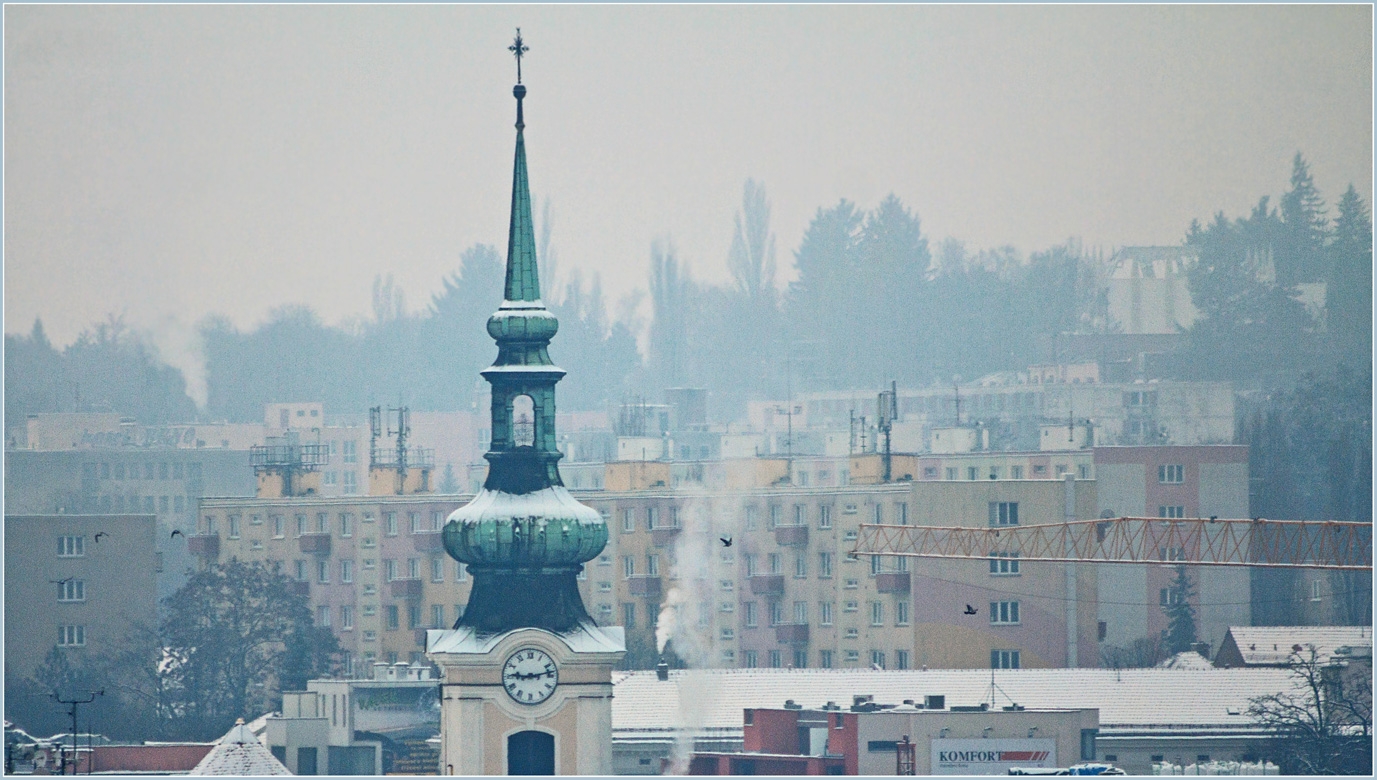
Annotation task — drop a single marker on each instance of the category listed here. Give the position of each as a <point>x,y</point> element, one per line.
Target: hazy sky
<point>169,162</point>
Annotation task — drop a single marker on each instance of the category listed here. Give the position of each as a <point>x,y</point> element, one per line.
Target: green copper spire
<point>524,537</point>
<point>523,281</point>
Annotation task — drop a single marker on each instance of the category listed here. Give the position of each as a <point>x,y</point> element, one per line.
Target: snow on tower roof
<point>239,754</point>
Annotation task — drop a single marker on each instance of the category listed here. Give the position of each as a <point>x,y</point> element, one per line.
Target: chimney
<point>380,670</point>
<point>662,671</point>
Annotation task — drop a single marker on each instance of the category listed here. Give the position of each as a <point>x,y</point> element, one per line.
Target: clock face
<point>530,676</point>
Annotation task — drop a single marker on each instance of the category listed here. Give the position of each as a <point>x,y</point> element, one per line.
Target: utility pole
<point>73,704</point>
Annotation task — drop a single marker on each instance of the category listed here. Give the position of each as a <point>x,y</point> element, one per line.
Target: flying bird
<point>98,535</point>
<point>177,532</point>
<point>971,610</point>
<point>725,540</point>
<point>1214,518</point>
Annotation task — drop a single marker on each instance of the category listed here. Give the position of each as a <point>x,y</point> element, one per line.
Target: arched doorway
<point>531,753</point>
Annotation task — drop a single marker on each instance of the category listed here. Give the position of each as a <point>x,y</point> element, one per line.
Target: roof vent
<point>790,705</point>
<point>662,671</point>
<point>909,702</point>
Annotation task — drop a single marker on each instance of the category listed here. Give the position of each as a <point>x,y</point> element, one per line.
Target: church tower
<point>527,674</point>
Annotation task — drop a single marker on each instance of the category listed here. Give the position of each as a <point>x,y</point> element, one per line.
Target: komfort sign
<point>990,756</point>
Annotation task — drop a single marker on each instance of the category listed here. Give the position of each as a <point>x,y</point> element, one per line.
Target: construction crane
<point>1197,541</point>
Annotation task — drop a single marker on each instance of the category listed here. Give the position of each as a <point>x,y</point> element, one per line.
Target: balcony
<point>767,584</point>
<point>644,585</point>
<point>792,633</point>
<point>207,545</point>
<point>300,588</point>
<point>428,541</point>
<point>663,536</point>
<point>892,582</point>
<point>791,535</point>
<point>406,589</point>
<point>315,543</point>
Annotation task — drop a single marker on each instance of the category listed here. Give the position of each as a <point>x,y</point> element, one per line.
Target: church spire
<point>523,279</point>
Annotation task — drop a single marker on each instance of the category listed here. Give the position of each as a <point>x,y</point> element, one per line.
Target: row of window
<point>751,519</point>
<point>417,522</point>
<point>147,505</point>
<point>390,570</point>
<point>391,616</point>
<point>798,659</point>
<point>953,473</point>
<point>149,471</point>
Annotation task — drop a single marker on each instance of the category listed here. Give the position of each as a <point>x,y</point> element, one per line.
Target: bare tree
<point>1323,725</point>
<point>752,255</point>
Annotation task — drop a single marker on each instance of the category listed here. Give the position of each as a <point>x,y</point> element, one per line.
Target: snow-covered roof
<point>1188,659</point>
<point>584,638</point>
<point>239,754</point>
<point>1273,645</point>
<point>709,702</point>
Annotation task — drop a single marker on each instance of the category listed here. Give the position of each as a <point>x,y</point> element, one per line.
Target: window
<point>972,473</point>
<point>650,518</point>
<point>900,659</point>
<point>877,613</point>
<point>629,615</point>
<point>951,474</point>
<point>415,520</point>
<point>875,567</point>
<point>393,617</point>
<point>728,585</point>
<point>389,569</point>
<point>346,617</point>
<point>300,570</point>
<point>605,611</point>
<point>824,517</point>
<point>322,522</point>
<point>773,559</point>
<point>391,523</point>
<point>748,609</point>
<point>901,613</point>
<point>233,526</point>
<point>437,520</point>
<point>825,565</point>
<point>800,565</point>
<point>71,546</point>
<point>674,517</point>
<point>628,520</point>
<point>1171,512</point>
<point>852,656</point>
<point>300,524</point>
<point>776,515</point>
<point>346,570</point>
<point>1171,553</point>
<point>877,659</point>
<point>652,565</point>
<point>461,572</point>
<point>437,570</point>
<point>824,613</point>
<point>1169,597</point>
<point>728,633</point>
<point>1003,613</point>
<point>413,568</point>
<point>277,527</point>
<point>1004,659</point>
<point>849,536</point>
<point>879,514</point>
<point>628,566</point>
<point>254,519</point>
<point>1083,471</point>
<point>729,606</point>
<point>350,483</point>
<point>853,583</point>
<point>748,659</point>
<point>71,636</point>
<point>71,590</point>
<point>369,564</point>
<point>749,560</point>
<point>800,516</point>
<point>1015,472</point>
<point>800,659</point>
<point>751,512</point>
<point>852,606</point>
<point>322,572</point>
<point>776,613</point>
<point>800,612</point>
<point>902,509</point>
<point>1315,590</point>
<point>1173,474</point>
<point>413,616</point>
<point>369,610</point>
<point>825,659</point>
<point>1003,513</point>
<point>1004,564</point>
<point>350,455</point>
<point>1088,746</point>
<point>323,616</point>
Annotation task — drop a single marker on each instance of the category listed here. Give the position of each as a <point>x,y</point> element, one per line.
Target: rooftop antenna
<point>957,387</point>
<point>994,687</point>
<point>403,430</point>
<point>887,408</point>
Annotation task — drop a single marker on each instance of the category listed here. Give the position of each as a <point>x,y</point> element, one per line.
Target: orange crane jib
<point>1292,544</point>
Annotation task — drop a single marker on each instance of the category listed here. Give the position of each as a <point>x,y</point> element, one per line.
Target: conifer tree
<point>1180,613</point>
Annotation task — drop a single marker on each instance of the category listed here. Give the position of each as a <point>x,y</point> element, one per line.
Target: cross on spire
<point>518,48</point>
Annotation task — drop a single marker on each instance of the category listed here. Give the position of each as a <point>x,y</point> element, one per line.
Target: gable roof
<point>239,754</point>
<point>1273,645</point>
<point>709,702</point>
